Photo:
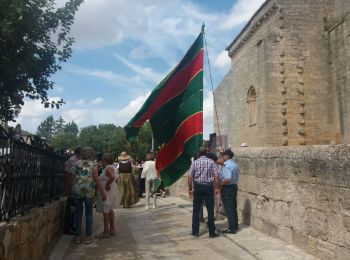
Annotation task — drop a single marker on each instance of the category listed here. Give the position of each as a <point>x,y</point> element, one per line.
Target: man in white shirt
<point>149,172</point>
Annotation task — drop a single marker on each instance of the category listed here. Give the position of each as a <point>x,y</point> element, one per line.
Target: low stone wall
<point>299,194</point>
<point>31,236</point>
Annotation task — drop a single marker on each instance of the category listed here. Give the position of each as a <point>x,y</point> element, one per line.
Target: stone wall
<point>31,236</point>
<point>300,194</point>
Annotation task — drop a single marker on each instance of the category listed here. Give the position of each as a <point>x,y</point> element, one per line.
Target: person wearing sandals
<point>107,179</point>
<point>85,178</point>
<point>149,173</point>
<point>126,182</point>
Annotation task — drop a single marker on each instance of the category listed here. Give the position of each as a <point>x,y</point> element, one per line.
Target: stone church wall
<point>283,53</point>
<point>339,36</point>
<point>251,67</point>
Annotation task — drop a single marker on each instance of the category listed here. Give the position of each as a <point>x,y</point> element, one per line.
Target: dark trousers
<point>141,186</point>
<point>206,192</point>
<point>69,217</point>
<point>229,200</point>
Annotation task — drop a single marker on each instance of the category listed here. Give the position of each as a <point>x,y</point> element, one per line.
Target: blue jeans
<point>229,200</point>
<point>206,192</point>
<point>80,203</point>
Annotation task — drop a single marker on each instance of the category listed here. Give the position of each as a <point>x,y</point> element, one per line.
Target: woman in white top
<point>107,179</point>
<point>150,173</point>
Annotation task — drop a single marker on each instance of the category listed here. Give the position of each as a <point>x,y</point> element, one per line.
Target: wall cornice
<point>263,14</point>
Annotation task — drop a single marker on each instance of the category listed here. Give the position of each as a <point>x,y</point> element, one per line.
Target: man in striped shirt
<point>205,177</point>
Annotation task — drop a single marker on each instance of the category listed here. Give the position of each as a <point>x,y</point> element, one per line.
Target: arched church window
<point>251,100</point>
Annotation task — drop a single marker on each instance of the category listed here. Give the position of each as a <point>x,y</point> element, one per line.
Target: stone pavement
<point>164,233</point>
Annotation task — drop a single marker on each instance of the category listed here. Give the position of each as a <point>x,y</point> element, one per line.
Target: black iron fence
<point>30,174</point>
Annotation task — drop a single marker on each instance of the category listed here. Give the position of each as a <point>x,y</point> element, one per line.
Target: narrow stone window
<point>251,100</point>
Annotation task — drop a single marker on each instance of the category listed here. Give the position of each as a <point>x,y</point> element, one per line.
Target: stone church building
<point>289,82</point>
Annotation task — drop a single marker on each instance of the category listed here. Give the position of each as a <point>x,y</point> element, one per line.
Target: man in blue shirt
<point>228,180</point>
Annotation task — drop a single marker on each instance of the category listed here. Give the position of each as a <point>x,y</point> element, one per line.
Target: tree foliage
<point>46,129</point>
<point>66,141</point>
<point>60,125</point>
<point>102,137</point>
<point>72,128</point>
<point>143,143</point>
<point>111,138</point>
<point>34,40</point>
<point>58,133</point>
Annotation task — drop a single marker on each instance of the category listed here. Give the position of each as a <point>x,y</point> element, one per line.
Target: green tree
<point>65,136</point>
<point>60,125</point>
<point>34,40</point>
<point>87,136</point>
<point>46,128</point>
<point>65,140</point>
<point>72,128</point>
<point>143,143</point>
<point>103,138</point>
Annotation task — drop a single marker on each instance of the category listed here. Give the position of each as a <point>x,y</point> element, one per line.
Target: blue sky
<point>124,48</point>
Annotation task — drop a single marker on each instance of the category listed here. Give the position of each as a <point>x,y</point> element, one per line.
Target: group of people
<point>209,176</point>
<point>100,181</point>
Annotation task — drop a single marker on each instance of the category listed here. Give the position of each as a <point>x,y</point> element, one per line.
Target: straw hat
<point>123,156</point>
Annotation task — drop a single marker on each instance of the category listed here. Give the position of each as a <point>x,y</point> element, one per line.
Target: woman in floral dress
<point>85,172</point>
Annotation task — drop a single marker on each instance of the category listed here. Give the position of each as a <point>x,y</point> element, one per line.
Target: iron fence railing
<point>30,174</point>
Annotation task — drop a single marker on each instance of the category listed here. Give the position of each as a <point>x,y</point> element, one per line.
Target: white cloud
<point>240,13</point>
<point>222,60</point>
<point>139,53</point>
<point>80,116</point>
<point>156,29</point>
<point>97,73</point>
<point>57,89</point>
<point>124,115</point>
<point>146,73</point>
<point>160,26</point>
<point>80,102</point>
<point>97,101</point>
<point>33,113</point>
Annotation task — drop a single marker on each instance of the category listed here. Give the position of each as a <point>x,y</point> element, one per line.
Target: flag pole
<point>212,87</point>
<point>201,96</point>
<point>152,143</point>
<point>216,112</point>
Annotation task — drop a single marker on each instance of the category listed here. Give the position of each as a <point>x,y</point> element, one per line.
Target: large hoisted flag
<point>175,111</point>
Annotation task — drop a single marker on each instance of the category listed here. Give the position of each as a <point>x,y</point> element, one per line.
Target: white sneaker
<point>154,206</point>
<point>147,207</point>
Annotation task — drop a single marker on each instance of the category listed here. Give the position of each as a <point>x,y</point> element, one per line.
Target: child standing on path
<point>107,179</point>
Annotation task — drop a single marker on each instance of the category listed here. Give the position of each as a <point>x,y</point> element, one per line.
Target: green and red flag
<point>175,111</point>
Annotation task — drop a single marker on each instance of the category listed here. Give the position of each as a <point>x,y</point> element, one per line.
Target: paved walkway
<point>164,233</point>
